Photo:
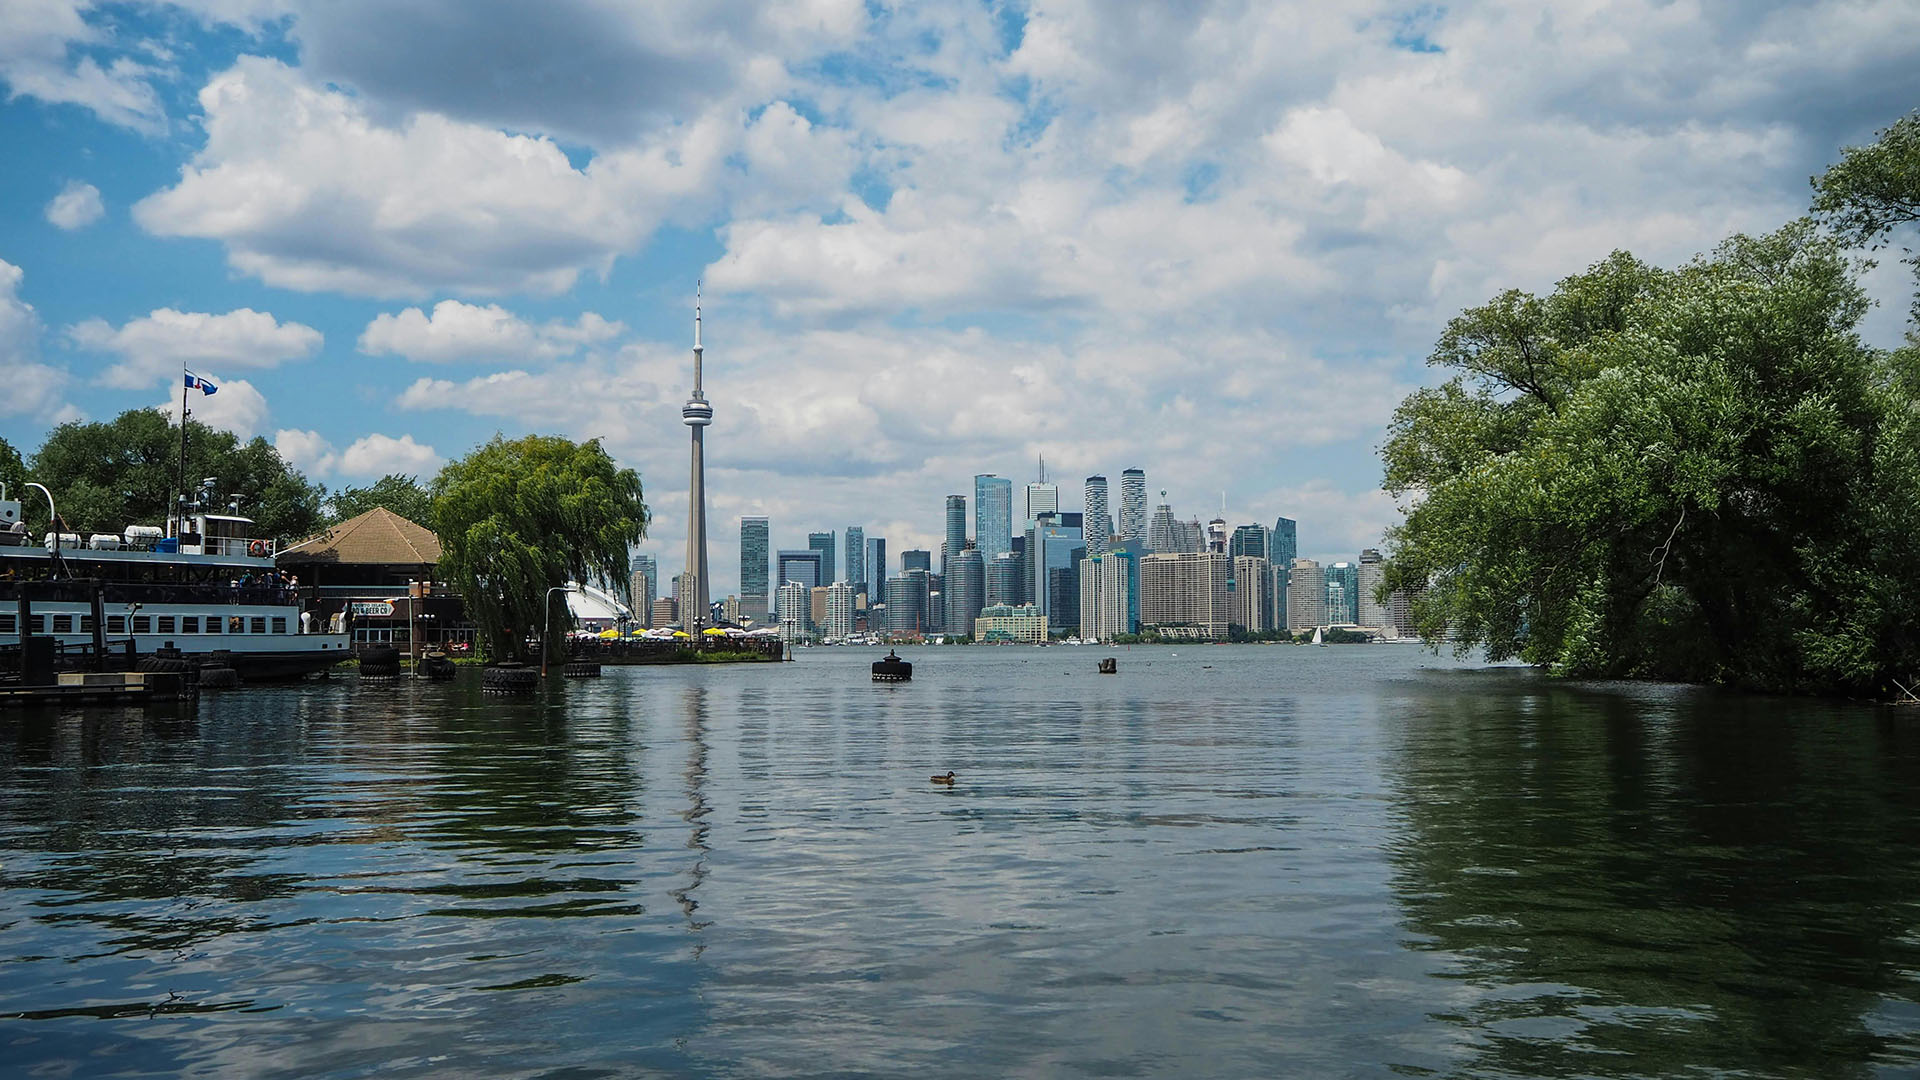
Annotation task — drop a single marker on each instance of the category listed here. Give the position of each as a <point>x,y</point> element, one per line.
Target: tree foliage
<point>108,475</point>
<point>1873,190</point>
<point>13,471</point>
<point>516,518</point>
<point>1699,474</point>
<point>402,495</point>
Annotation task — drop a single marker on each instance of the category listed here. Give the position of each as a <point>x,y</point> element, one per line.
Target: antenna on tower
<point>1043,468</point>
<point>696,313</point>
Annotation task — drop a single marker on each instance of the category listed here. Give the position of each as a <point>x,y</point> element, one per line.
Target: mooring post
<point>99,628</point>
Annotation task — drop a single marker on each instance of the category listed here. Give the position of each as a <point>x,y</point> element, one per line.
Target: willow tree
<point>1701,474</point>
<point>517,518</point>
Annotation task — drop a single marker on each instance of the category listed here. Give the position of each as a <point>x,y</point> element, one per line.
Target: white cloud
<point>160,344</point>
<point>367,458</point>
<point>237,406</point>
<point>33,389</point>
<point>77,206</point>
<point>42,57</point>
<point>458,331</point>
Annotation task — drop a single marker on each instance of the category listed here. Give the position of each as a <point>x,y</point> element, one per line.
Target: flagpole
<point>181,520</point>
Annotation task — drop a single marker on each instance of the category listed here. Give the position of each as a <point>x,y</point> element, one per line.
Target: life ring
<point>257,549</point>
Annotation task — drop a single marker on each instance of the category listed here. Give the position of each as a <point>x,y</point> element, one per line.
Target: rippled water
<point>1222,861</point>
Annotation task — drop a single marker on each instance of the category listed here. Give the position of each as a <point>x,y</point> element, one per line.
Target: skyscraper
<point>956,530</point>
<point>839,620</point>
<point>755,545</point>
<point>877,569</point>
<point>916,559</point>
<point>857,558</point>
<point>1095,524</point>
<point>1042,497</point>
<point>1133,504</point>
<point>1184,594</point>
<point>1283,546</point>
<point>1249,540</point>
<point>1372,572</point>
<point>645,584</point>
<point>1306,595</point>
<point>800,566</point>
<point>695,612</point>
<point>966,589</point>
<point>1253,592</point>
<point>1343,593</point>
<point>992,516</point>
<point>1003,579</point>
<point>1050,548</point>
<point>1164,536</point>
<point>823,543</point>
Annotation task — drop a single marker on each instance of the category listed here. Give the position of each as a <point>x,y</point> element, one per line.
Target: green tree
<point>518,518</point>
<point>107,475</point>
<point>1698,474</point>
<point>401,494</point>
<point>1873,190</point>
<point>13,471</point>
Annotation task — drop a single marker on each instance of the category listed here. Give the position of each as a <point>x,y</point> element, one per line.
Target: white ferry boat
<point>210,586</point>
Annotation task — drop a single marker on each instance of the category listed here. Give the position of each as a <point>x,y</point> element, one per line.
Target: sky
<point>1212,240</point>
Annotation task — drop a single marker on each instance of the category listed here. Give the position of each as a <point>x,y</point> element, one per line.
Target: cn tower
<point>696,610</point>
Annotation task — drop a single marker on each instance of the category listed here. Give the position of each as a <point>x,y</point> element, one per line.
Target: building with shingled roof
<point>367,569</point>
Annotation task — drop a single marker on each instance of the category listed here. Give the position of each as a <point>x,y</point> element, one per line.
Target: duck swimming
<point>947,779</point>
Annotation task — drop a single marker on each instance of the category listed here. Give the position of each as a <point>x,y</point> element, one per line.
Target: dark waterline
<point>1226,861</point>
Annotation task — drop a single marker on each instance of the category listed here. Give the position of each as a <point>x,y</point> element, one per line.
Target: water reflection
<point>1660,881</point>
<point>694,708</point>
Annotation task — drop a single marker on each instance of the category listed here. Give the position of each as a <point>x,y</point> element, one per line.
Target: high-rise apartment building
<point>755,546</point>
<point>645,585</point>
<point>916,559</point>
<point>1343,593</point>
<point>1110,593</point>
<point>857,558</point>
<point>1253,593</point>
<point>1284,545</point>
<point>817,605</point>
<point>665,612</point>
<point>1095,523</point>
<point>1133,504</point>
<point>956,539</point>
<point>823,543</point>
<point>1372,613</point>
<point>1306,595</point>
<point>796,609</point>
<point>906,605</point>
<point>839,621</point>
<point>992,516</point>
<point>1009,622</point>
<point>965,591</point>
<point>877,569</point>
<point>1184,594</point>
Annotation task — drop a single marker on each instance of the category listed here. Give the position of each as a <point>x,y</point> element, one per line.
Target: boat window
<point>259,624</point>
<point>39,624</point>
<point>9,624</point>
<point>143,624</point>
<point>236,625</point>
<point>116,624</point>
<point>86,624</point>
<point>63,624</point>
<point>163,624</point>
<point>280,624</point>
<point>189,624</point>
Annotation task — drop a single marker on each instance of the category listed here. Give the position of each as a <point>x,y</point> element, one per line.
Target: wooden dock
<point>102,688</point>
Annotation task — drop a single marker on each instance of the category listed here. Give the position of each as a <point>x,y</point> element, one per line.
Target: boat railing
<point>80,591</point>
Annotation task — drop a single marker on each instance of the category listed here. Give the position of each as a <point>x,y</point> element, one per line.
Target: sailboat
<point>1316,638</point>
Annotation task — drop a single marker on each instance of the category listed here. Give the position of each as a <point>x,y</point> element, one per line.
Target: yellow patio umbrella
<point>714,631</point>
<point>683,634</point>
<point>609,634</point>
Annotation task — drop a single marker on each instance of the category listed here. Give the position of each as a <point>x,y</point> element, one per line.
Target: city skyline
<point>939,240</point>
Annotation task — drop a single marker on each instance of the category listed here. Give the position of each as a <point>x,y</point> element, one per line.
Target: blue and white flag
<point>195,382</point>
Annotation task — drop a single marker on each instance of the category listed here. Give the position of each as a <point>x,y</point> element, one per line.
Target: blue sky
<point>1213,240</point>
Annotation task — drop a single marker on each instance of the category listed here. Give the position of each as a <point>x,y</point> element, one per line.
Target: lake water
<point>1223,861</point>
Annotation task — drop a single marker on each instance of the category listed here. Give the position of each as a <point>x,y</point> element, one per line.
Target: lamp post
<point>546,623</point>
